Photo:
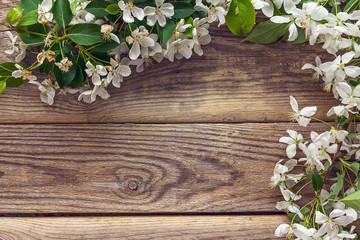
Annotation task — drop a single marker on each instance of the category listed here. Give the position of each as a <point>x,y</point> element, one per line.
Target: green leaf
<point>65,78</point>
<point>2,86</point>
<point>62,12</point>
<point>28,19</point>
<point>106,46</point>
<point>6,70</point>
<point>34,39</point>
<point>182,9</point>
<point>351,6</point>
<point>86,34</point>
<point>276,9</point>
<point>317,181</point>
<point>338,187</point>
<point>267,32</point>
<point>165,33</point>
<point>22,30</point>
<point>79,77</point>
<point>98,8</point>
<point>189,31</point>
<point>70,75</point>
<point>335,9</point>
<point>46,67</point>
<point>29,5</point>
<point>68,47</point>
<point>355,166</point>
<point>240,18</point>
<point>353,200</point>
<point>14,82</point>
<point>58,75</point>
<point>14,15</point>
<point>113,9</point>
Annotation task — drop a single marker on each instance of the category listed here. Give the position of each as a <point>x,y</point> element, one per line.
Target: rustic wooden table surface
<point>184,150</point>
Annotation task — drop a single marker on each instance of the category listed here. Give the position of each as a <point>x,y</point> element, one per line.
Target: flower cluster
<point>325,163</point>
<point>311,161</point>
<point>88,45</point>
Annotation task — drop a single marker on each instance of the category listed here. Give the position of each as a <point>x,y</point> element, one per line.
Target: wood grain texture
<point>139,168</point>
<point>131,228</point>
<point>233,82</point>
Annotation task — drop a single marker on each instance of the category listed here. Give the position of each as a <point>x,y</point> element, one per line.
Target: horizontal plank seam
<point>148,123</point>
<point>139,214</point>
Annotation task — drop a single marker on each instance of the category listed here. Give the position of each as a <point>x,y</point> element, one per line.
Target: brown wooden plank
<point>233,82</point>
<point>139,168</point>
<point>164,227</point>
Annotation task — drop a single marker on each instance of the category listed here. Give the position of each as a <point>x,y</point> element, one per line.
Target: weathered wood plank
<point>233,82</point>
<point>132,168</point>
<point>164,227</point>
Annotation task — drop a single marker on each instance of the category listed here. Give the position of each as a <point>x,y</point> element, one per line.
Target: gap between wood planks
<point>53,215</point>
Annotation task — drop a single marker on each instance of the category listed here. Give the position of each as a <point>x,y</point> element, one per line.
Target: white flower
<point>106,30</point>
<point>323,141</point>
<point>317,69</point>
<point>49,55</point>
<point>339,69</point>
<point>288,5</point>
<point>266,7</point>
<point>350,96</point>
<point>293,32</point>
<point>306,17</point>
<point>303,233</point>
<point>200,34</point>
<point>338,135</point>
<point>47,89</point>
<point>44,14</point>
<point>12,44</point>
<point>148,55</point>
<point>284,229</point>
<point>213,13</point>
<point>130,10</point>
<point>179,30</point>
<point>15,47</point>
<point>289,206</point>
<point>48,40</point>
<point>289,195</point>
<point>64,65</point>
<point>330,225</point>
<point>99,90</point>
<point>279,171</point>
<point>139,37</point>
<point>160,13</point>
<point>23,73</point>
<point>85,96</point>
<point>117,72</point>
<point>312,157</point>
<point>179,48</point>
<point>89,96</point>
<point>293,140</point>
<point>301,116</point>
<point>121,49</point>
<point>95,73</point>
<point>338,110</point>
<point>83,16</point>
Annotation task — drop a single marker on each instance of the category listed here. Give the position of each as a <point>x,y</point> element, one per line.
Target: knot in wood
<point>133,185</point>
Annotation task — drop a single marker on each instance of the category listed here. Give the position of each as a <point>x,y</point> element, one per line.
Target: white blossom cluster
<point>144,50</point>
<point>326,217</point>
<point>316,155</point>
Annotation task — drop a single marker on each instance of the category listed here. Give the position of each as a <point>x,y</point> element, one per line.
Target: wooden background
<point>184,150</point>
